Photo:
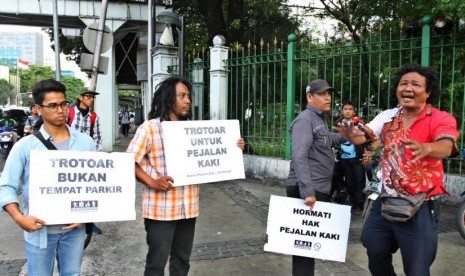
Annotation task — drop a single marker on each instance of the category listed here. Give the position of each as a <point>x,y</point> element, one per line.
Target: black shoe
<point>96,230</point>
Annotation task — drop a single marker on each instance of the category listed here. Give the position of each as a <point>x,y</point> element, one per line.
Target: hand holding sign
<point>164,183</point>
<point>241,143</point>
<point>73,225</point>
<point>310,201</point>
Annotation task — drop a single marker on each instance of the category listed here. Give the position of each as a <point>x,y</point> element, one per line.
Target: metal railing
<point>266,82</point>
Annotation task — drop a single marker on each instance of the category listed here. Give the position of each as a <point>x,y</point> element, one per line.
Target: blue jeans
<point>66,247</point>
<point>417,239</point>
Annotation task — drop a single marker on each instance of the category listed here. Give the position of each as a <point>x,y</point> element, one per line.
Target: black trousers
<point>354,175</point>
<point>125,129</point>
<point>304,266</point>
<point>169,238</point>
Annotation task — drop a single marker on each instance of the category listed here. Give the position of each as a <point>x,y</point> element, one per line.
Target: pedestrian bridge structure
<point>127,19</point>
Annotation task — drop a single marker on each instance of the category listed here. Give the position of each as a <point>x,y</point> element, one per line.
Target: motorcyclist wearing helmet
<point>8,121</point>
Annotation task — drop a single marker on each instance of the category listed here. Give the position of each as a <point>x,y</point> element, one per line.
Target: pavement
<point>229,239</point>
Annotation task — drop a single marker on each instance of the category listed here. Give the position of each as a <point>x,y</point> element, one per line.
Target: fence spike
<point>261,43</point>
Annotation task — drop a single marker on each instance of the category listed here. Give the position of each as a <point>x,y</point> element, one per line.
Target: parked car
<point>19,114</point>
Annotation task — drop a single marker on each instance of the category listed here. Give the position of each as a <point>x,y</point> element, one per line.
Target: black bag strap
<point>47,143</point>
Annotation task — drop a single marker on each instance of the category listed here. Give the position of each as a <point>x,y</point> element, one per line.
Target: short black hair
<point>431,76</point>
<point>348,103</point>
<point>46,86</point>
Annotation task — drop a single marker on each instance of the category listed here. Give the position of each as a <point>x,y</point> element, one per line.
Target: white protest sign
<point>295,230</point>
<point>202,151</point>
<point>76,186</point>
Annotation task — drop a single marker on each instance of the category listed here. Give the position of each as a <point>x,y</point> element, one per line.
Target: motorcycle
<point>7,139</point>
<point>460,216</point>
<point>339,191</point>
<point>371,187</point>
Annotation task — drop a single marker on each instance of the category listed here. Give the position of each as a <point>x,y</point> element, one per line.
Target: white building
<point>27,46</point>
<point>4,73</point>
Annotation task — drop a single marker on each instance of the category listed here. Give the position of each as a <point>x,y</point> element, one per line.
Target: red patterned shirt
<point>400,175</point>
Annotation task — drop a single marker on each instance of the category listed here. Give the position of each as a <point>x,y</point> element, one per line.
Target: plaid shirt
<point>82,124</point>
<point>182,202</point>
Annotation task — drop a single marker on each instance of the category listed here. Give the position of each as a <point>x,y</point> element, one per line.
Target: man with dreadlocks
<point>169,212</point>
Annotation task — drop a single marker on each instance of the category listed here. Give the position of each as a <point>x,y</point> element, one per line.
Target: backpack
<point>93,118</point>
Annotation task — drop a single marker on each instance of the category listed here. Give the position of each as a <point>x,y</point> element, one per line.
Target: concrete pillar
<point>162,57</point>
<point>143,73</point>
<point>107,102</point>
<point>218,79</point>
<point>197,87</point>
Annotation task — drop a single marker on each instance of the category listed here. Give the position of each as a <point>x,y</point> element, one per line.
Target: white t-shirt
<point>125,117</point>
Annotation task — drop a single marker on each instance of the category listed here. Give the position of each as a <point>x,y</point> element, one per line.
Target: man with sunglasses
<point>44,243</point>
<point>82,118</point>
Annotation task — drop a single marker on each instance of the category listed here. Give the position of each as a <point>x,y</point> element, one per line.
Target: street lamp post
<point>170,18</point>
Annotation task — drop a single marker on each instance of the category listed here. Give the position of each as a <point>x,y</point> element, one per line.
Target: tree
<point>239,21</point>
<point>33,74</point>
<point>37,73</point>
<point>72,48</point>
<point>358,17</point>
<point>6,91</point>
<point>450,9</point>
<point>73,87</point>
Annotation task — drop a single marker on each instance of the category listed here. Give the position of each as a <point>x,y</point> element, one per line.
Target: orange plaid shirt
<point>179,203</point>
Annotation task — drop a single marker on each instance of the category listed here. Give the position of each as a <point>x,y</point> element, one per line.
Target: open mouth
<point>407,97</point>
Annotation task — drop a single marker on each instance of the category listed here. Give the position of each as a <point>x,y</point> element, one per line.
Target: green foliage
<point>34,74</point>
<point>6,91</point>
<point>449,9</point>
<point>72,48</point>
<point>239,21</point>
<point>73,87</point>
<point>265,130</point>
<point>127,98</point>
<point>37,73</point>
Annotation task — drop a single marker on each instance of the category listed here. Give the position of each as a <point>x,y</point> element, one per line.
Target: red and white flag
<point>22,64</point>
